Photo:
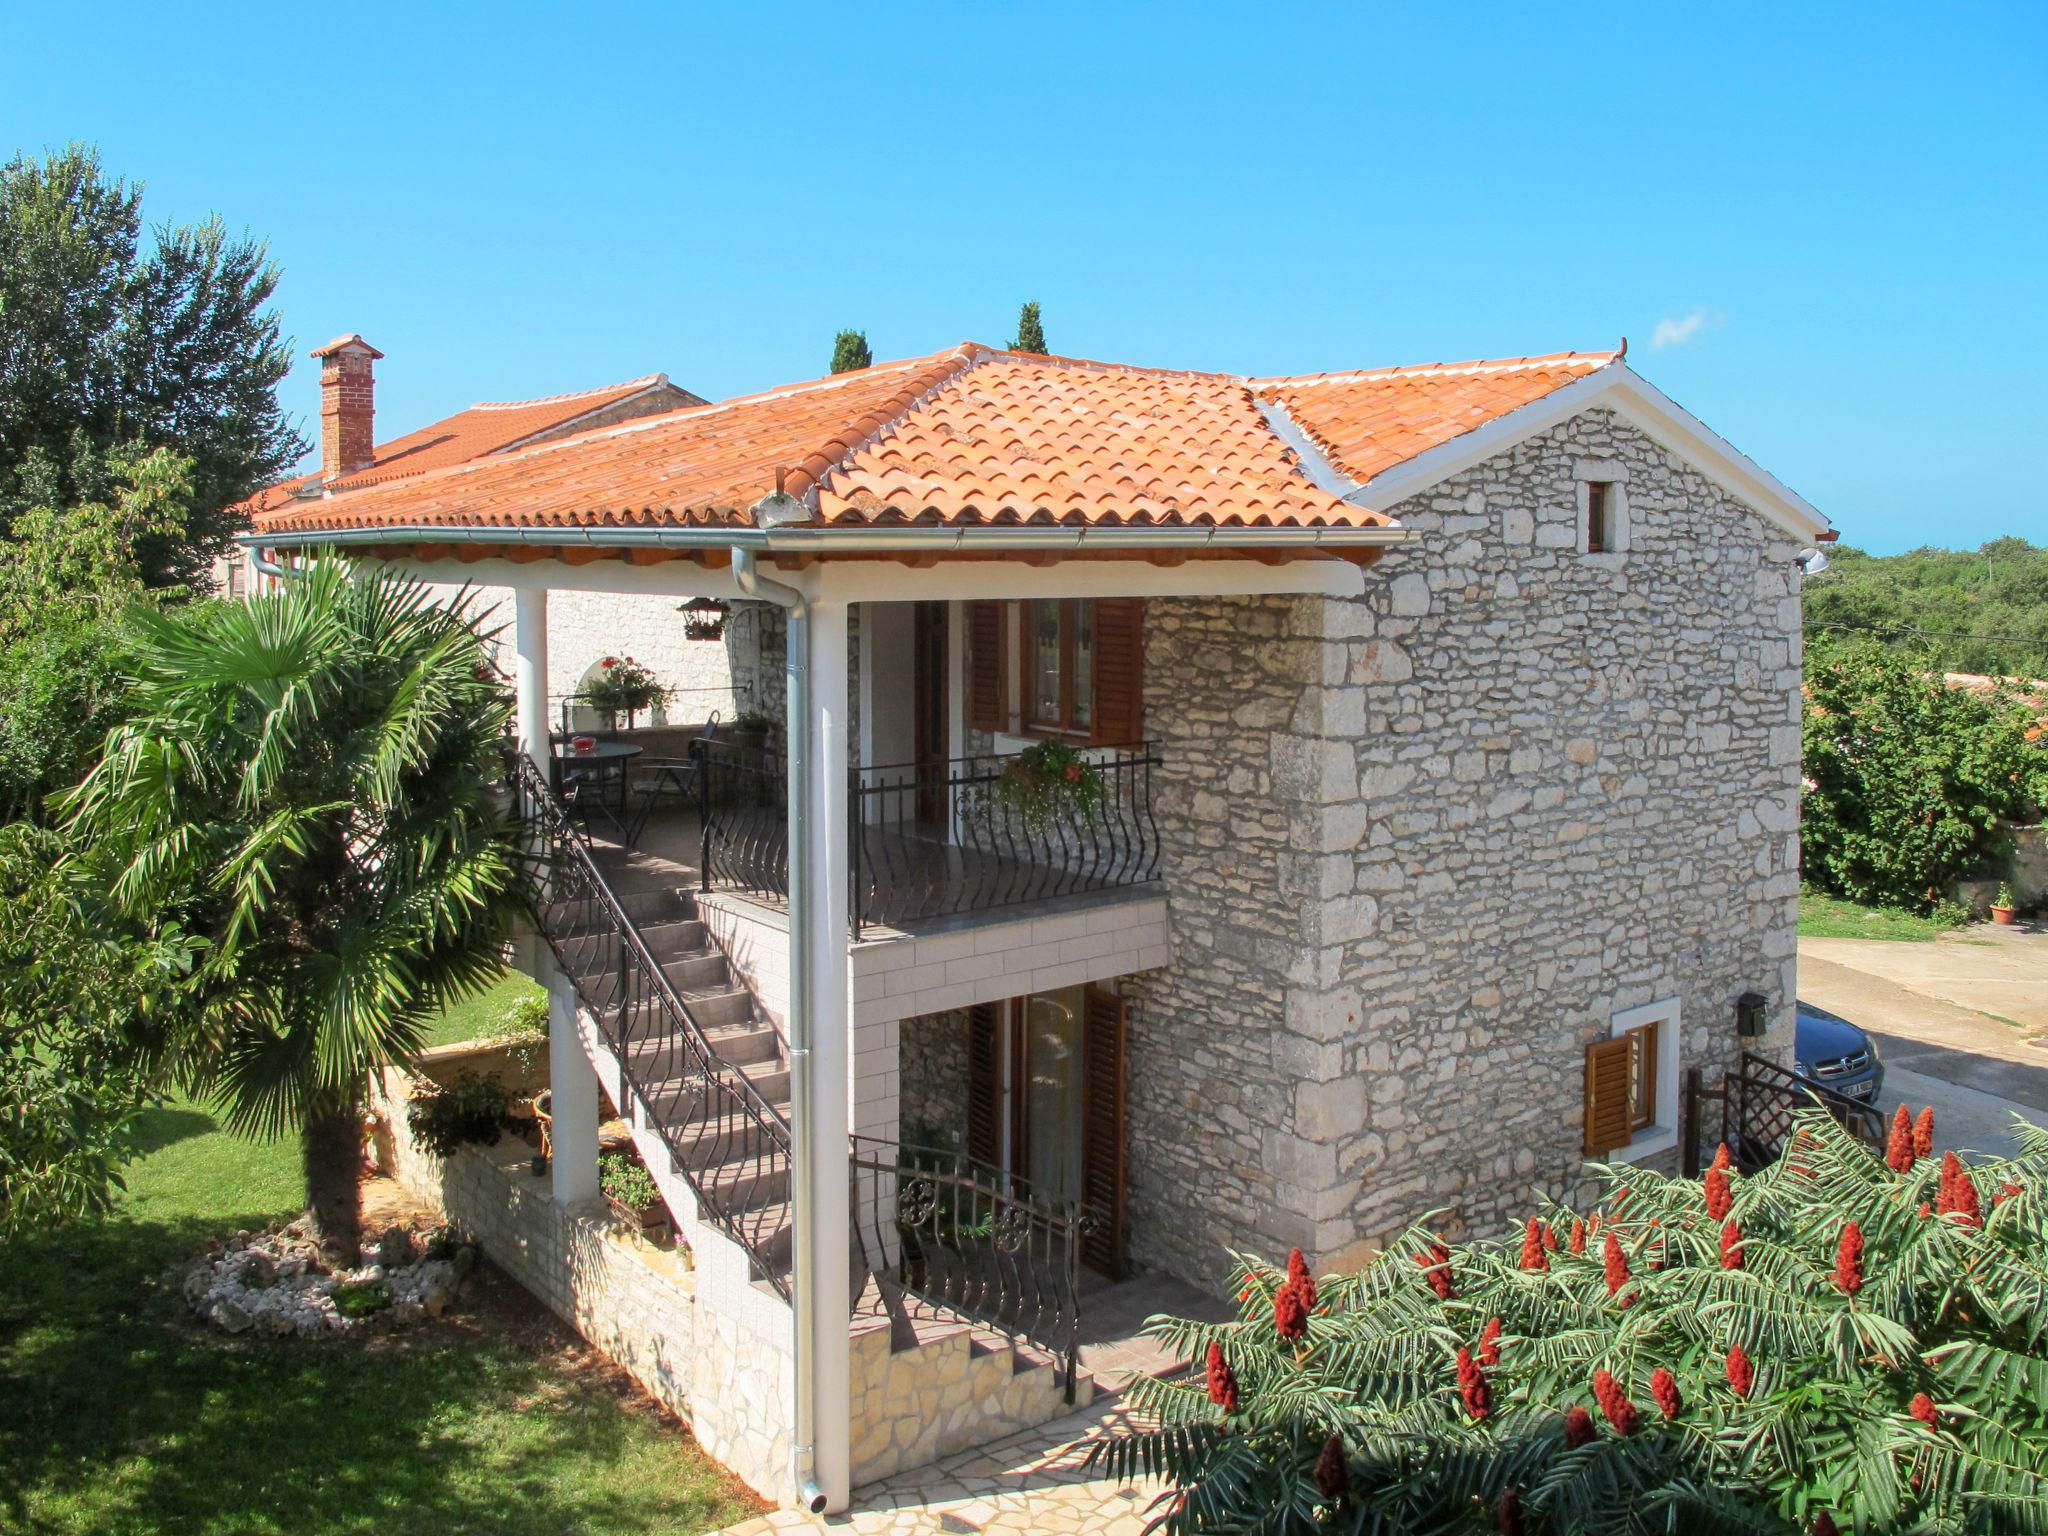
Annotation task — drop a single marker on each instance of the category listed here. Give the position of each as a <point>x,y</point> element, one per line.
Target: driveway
<point>1958,1022</point>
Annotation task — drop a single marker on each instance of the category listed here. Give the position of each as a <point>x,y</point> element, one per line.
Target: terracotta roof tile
<point>962,437</point>
<point>1372,420</point>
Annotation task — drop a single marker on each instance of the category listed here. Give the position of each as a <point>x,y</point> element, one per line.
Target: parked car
<point>1831,1051</point>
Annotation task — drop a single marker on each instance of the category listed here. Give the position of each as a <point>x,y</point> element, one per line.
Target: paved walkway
<point>1031,1482</point>
<point>1930,1006</point>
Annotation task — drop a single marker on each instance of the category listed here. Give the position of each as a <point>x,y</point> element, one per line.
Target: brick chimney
<point>348,406</point>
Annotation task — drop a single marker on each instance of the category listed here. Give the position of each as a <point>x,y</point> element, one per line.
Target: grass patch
<point>483,1014</point>
<point>123,1419</point>
<point>1831,917</point>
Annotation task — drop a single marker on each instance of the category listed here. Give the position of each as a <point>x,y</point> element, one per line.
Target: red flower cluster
<point>1731,1246</point>
<point>1333,1473</point>
<point>1295,1299</point>
<point>2005,1192</point>
<point>1507,1514</point>
<point>1849,1260</point>
<point>1472,1386</point>
<point>1222,1380</point>
<point>1578,1427</point>
<point>1614,1402</point>
<point>1824,1525</point>
<point>1923,1133</point>
<point>1549,1238</point>
<point>1303,1282</point>
<point>1741,1374</point>
<point>1617,1267</point>
<point>1922,1408</point>
<point>1578,1243</point>
<point>1532,1246</point>
<point>1958,1193</point>
<point>1436,1263</point>
<point>1489,1342</point>
<point>1720,1197</point>
<point>1664,1388</point>
<point>1898,1146</point>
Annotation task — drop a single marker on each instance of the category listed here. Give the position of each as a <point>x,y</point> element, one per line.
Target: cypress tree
<point>1030,333</point>
<point>850,351</point>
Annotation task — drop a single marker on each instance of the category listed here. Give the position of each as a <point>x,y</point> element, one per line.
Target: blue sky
<point>1836,217</point>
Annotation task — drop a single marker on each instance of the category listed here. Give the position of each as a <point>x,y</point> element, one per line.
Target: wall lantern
<point>1749,1015</point>
<point>703,618</point>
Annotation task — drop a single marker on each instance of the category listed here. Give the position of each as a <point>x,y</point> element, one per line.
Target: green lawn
<point>483,1015</point>
<point>119,1419</point>
<point>1830,917</point>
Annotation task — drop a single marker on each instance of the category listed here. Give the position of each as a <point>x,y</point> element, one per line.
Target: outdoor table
<point>608,760</point>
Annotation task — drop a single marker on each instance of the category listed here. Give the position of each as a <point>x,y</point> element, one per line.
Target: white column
<point>825,1289</point>
<point>572,1097</point>
<point>530,669</point>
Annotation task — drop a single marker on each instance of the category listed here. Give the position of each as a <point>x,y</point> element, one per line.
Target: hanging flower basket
<point>1048,783</point>
<point>703,619</point>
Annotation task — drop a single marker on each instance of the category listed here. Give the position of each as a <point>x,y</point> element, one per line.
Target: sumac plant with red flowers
<point>1799,1380</point>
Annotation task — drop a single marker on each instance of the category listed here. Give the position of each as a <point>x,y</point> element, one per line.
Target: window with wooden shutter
<point>984,1086</point>
<point>988,704</point>
<point>1102,1131</point>
<point>1610,1112</point>
<point>1119,664</point>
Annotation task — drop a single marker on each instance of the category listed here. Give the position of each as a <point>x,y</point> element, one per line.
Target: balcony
<point>929,842</point>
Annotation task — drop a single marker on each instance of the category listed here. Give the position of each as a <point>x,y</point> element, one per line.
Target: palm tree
<point>308,782</point>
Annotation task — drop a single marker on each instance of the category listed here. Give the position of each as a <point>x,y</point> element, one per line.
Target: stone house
<point>1232,813</point>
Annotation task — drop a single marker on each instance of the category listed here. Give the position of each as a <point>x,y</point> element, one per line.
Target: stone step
<point>706,972</point>
<point>685,1098</point>
<point>700,1144</point>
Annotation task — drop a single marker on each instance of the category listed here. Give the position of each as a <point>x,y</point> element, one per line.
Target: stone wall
<point>1414,871</point>
<point>636,1303</point>
<point>932,1083</point>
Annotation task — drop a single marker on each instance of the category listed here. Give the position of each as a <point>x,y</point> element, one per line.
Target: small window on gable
<point>1599,517</point>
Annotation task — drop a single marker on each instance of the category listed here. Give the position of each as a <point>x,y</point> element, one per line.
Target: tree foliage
<point>1839,1344</point>
<point>1908,777</point>
<point>308,786</point>
<point>1030,332</point>
<point>850,351</point>
<point>111,343</point>
<point>1983,611</point>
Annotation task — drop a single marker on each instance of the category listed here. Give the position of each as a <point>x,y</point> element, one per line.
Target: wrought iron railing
<point>729,1143</point>
<point>1754,1108</point>
<point>942,838</point>
<point>743,810</point>
<point>970,1240</point>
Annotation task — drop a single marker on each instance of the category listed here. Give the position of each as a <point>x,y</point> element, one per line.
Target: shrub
<point>625,1179</point>
<point>1907,778</point>
<point>1871,1359</point>
<point>473,1108</point>
<point>359,1298</point>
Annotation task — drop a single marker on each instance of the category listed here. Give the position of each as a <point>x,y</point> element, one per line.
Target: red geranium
<point>1898,1147</point>
<point>1472,1385</point>
<point>1664,1388</point>
<point>1614,1402</point>
<point>1741,1374</point>
<point>1849,1260</point>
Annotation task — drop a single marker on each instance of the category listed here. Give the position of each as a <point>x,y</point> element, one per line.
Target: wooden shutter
<point>984,1086</point>
<point>988,704</point>
<point>1102,1131</point>
<point>1609,1124</point>
<point>1119,670</point>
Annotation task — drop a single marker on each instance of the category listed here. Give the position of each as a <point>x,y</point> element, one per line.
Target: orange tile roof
<point>1368,422</point>
<point>968,436</point>
<point>488,427</point>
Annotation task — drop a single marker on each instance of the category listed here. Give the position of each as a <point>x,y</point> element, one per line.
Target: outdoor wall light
<point>1749,1015</point>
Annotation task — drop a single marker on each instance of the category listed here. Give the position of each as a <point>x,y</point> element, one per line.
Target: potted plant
<point>1050,782</point>
<point>703,619</point>
<point>622,686</point>
<point>2002,908</point>
<point>631,1192</point>
<point>749,730</point>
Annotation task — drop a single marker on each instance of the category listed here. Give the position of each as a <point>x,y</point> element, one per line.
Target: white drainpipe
<point>802,1087</point>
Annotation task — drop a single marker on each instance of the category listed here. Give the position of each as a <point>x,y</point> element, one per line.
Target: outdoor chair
<point>662,778</point>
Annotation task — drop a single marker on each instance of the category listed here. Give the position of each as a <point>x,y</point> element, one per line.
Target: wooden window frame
<point>1599,517</point>
<point>1632,1083</point>
<point>1070,626</point>
<point>1644,1045</point>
